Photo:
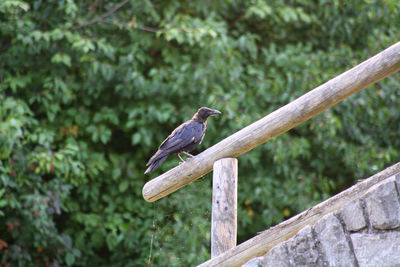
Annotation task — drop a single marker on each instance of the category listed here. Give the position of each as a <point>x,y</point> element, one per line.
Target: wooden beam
<point>224,206</point>
<point>262,243</point>
<point>278,122</point>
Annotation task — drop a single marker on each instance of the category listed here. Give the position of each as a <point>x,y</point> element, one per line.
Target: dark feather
<point>154,165</point>
<point>183,139</point>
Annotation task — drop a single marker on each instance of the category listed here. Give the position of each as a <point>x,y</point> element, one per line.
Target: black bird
<point>183,139</point>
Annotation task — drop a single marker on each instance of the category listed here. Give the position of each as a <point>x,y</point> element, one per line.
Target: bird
<point>183,139</point>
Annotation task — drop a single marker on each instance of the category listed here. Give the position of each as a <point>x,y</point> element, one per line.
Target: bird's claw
<point>188,154</point>
<point>182,160</point>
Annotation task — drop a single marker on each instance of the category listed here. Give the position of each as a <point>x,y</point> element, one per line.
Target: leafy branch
<point>100,18</point>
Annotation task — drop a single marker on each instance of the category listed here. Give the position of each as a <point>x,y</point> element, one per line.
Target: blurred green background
<point>89,89</point>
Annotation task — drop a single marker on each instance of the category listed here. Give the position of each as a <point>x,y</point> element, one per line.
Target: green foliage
<point>89,89</point>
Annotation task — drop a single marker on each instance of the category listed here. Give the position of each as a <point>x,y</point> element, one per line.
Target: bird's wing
<point>186,134</point>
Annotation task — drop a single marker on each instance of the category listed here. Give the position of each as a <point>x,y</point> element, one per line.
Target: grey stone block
<point>256,262</point>
<point>379,249</point>
<point>334,245</point>
<point>277,256</point>
<point>302,249</point>
<point>383,205</point>
<point>353,217</point>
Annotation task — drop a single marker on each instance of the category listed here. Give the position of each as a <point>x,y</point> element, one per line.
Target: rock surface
<point>277,256</point>
<point>334,245</point>
<point>303,249</point>
<point>353,216</point>
<point>383,205</point>
<point>377,249</point>
<point>364,233</point>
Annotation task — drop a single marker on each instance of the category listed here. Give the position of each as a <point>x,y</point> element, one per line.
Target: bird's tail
<point>155,164</point>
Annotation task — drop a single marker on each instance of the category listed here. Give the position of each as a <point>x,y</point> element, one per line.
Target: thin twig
<point>132,25</point>
<point>101,18</point>
<point>145,28</point>
<point>152,237</point>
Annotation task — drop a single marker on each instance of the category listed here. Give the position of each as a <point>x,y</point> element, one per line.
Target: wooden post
<point>224,206</point>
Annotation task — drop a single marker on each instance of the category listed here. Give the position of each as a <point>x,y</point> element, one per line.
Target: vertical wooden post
<point>224,206</point>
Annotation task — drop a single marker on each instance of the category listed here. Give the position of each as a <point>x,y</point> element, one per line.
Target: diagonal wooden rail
<point>278,122</point>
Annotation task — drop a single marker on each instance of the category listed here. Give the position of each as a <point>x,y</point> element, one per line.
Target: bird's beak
<point>215,112</point>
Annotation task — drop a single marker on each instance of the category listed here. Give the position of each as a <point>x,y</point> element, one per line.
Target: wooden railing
<point>266,240</point>
<point>285,118</point>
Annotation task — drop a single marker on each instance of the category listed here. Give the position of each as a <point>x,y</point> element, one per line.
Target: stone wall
<point>366,232</point>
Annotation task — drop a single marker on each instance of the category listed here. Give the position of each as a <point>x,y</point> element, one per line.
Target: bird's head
<point>203,113</point>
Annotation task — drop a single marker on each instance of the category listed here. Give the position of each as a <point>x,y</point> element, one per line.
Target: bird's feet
<point>188,154</point>
<point>182,160</point>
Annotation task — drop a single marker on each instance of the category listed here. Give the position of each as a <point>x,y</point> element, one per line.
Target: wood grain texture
<point>278,122</point>
<point>224,206</point>
<point>266,240</point>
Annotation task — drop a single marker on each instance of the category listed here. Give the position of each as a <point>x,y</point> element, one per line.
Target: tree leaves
<point>85,99</point>
<point>13,6</point>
